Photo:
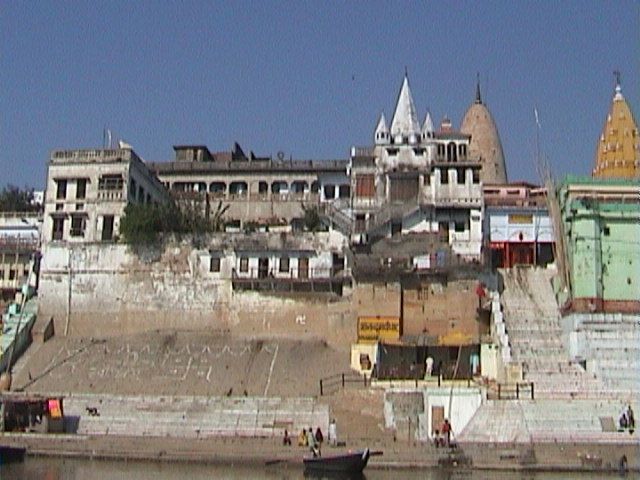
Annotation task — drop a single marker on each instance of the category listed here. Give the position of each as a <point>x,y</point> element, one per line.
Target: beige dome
<point>485,142</point>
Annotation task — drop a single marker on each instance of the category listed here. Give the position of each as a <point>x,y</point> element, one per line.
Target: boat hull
<point>346,463</point>
<point>11,454</point>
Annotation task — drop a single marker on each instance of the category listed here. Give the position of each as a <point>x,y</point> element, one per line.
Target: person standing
<point>333,433</point>
<point>446,431</point>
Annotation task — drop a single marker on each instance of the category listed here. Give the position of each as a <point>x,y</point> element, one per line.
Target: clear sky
<point>306,78</point>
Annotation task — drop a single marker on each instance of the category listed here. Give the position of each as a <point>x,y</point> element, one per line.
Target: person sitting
<point>437,439</point>
<point>286,440</point>
<point>302,438</point>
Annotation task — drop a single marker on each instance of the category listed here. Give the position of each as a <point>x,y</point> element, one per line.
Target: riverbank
<point>553,456</point>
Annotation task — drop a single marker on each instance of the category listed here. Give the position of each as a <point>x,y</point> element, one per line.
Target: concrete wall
<point>404,407</point>
<point>377,299</point>
<point>107,289</point>
<point>437,310</point>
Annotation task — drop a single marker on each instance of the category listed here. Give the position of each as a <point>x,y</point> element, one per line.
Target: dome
<point>485,142</point>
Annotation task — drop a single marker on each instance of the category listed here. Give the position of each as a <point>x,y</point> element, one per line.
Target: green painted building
<point>601,221</point>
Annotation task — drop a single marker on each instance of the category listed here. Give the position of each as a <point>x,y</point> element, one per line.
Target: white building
<point>416,179</point>
<point>87,191</point>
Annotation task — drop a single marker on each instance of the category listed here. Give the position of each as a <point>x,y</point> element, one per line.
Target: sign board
<point>520,218</point>
<point>372,329</point>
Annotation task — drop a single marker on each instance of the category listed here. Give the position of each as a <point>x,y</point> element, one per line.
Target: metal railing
<point>333,383</point>
<point>513,391</point>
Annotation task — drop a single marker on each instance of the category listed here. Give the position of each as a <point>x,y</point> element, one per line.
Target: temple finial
<point>406,71</point>
<point>478,96</point>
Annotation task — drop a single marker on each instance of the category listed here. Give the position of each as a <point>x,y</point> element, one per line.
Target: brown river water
<point>79,469</point>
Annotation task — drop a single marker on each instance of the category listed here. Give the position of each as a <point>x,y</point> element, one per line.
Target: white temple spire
<point>405,119</point>
<point>382,131</point>
<point>427,126</point>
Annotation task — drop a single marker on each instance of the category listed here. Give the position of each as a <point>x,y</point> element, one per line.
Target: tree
<point>15,199</point>
<point>311,218</point>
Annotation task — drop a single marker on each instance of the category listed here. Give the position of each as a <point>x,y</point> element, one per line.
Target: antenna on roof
<point>280,155</point>
<point>616,73</point>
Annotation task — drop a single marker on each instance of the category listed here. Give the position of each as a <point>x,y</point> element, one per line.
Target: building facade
<point>601,219</point>
<point>87,191</point>
<point>417,179</point>
<point>255,189</point>
<point>517,227</point>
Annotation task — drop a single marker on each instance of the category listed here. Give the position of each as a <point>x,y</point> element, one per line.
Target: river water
<point>76,469</point>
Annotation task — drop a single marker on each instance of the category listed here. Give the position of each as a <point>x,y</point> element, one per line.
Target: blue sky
<point>306,78</point>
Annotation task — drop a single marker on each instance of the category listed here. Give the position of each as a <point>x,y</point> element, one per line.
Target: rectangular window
<point>12,274</point>
<point>284,264</point>
<point>444,176</point>
<point>244,264</point>
<point>214,264</point>
<point>476,177</point>
<point>459,226</point>
<point>61,189</point>
<point>1,275</point>
<point>77,226</point>
<point>132,188</point>
<point>58,228</point>
<point>81,188</point>
<point>365,186</point>
<point>110,182</point>
<point>461,174</point>
<point>107,228</point>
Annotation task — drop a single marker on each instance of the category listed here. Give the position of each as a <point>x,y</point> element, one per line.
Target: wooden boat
<point>9,454</point>
<point>352,462</point>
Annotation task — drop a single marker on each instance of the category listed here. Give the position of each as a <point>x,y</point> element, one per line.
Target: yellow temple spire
<point>618,151</point>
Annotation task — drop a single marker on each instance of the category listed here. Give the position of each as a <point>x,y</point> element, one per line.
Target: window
<point>132,188</point>
<point>244,264</point>
<point>61,189</point>
<point>459,227</point>
<point>110,182</point>
<point>77,226</point>
<point>214,264</point>
<point>329,192</point>
<point>1,275</point>
<point>12,274</point>
<point>444,176</point>
<point>284,264</point>
<point>107,228</point>
<point>81,188</point>
<point>476,176</point>
<point>59,207</point>
<point>461,174</point>
<point>58,228</point>
<point>606,231</point>
<point>365,186</point>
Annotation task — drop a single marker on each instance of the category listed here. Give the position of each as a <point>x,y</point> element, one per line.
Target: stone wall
<point>108,289</point>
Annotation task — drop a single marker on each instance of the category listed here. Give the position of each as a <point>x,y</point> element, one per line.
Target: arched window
<point>280,186</point>
<point>218,189</point>
<point>238,188</point>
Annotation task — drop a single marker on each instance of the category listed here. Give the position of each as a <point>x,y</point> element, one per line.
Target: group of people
<point>442,437</point>
<point>311,439</point>
<point>627,420</point>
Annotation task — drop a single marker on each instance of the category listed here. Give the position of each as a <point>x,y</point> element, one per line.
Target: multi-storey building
<point>601,220</point>
<point>517,227</point>
<point>254,189</point>
<point>87,191</point>
<point>418,179</point>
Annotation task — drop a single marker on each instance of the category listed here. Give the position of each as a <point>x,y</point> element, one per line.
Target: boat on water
<point>351,462</point>
<point>9,454</point>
